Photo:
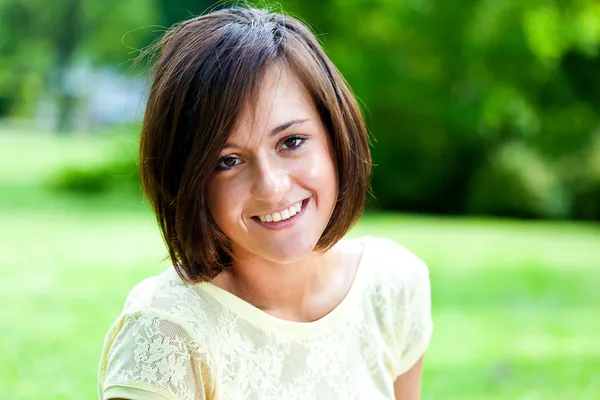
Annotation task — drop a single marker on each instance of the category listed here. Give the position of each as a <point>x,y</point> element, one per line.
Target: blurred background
<point>485,116</point>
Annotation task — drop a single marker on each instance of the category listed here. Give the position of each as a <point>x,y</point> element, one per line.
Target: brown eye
<point>229,161</point>
<point>293,142</point>
<point>226,163</point>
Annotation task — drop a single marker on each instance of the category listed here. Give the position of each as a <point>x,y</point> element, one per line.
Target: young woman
<point>255,158</point>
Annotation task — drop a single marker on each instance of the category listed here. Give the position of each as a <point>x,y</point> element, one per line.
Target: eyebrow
<point>275,131</point>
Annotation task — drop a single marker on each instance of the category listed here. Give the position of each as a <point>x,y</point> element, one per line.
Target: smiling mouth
<point>283,215</point>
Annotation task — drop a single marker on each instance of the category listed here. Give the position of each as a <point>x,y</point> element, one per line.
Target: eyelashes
<point>297,140</point>
<point>226,163</point>
<point>287,144</point>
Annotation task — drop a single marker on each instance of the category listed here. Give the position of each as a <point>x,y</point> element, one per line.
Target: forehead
<point>280,97</point>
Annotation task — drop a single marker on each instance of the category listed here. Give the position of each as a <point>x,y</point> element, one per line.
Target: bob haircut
<point>206,69</point>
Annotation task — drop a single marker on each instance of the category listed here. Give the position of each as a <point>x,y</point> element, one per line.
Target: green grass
<point>516,304</point>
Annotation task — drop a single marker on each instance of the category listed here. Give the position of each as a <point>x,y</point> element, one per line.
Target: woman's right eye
<point>228,162</point>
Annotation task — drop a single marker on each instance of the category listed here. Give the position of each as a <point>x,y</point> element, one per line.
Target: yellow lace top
<point>179,341</point>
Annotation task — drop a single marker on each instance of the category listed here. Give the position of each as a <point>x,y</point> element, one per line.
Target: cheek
<point>224,202</point>
<point>321,174</point>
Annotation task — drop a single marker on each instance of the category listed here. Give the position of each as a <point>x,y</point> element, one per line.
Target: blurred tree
<point>39,44</point>
<point>172,12</point>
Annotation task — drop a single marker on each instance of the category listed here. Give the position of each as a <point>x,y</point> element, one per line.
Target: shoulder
<point>163,302</point>
<point>394,276</point>
<point>153,303</point>
<point>161,293</point>
<point>389,260</point>
<point>156,353</point>
<point>155,338</point>
<point>400,296</point>
<point>141,295</point>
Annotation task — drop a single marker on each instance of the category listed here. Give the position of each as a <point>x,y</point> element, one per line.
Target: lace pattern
<point>178,341</point>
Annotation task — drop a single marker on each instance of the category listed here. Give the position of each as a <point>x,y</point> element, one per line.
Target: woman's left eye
<point>293,142</point>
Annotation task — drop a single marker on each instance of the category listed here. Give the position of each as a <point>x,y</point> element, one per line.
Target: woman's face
<point>275,185</point>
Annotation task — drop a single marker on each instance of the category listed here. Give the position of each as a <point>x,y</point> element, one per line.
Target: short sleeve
<point>151,356</point>
<point>413,324</point>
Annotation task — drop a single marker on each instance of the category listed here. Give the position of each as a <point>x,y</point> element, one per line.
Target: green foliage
<point>518,182</point>
<point>38,43</point>
<point>582,174</point>
<point>117,173</point>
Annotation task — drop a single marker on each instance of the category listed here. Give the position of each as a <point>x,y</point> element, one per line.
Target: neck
<point>284,289</point>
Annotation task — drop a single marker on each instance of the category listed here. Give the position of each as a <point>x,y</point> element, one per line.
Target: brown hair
<point>206,68</point>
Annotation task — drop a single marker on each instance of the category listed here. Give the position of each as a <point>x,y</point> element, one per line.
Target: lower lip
<point>288,223</point>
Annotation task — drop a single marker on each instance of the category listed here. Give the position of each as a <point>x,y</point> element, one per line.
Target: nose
<point>271,181</point>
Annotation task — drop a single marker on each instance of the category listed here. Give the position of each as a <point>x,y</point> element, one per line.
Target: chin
<point>287,257</point>
<point>287,254</point>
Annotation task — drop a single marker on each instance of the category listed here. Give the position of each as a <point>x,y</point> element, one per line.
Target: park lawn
<point>516,304</point>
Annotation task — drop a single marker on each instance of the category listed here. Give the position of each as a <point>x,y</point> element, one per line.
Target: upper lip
<point>279,210</point>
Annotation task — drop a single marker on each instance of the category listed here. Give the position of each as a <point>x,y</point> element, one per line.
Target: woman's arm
<point>408,385</point>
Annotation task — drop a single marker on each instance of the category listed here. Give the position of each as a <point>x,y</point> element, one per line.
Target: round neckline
<point>267,322</point>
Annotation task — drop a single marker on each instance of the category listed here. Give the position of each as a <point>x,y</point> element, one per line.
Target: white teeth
<point>283,215</point>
